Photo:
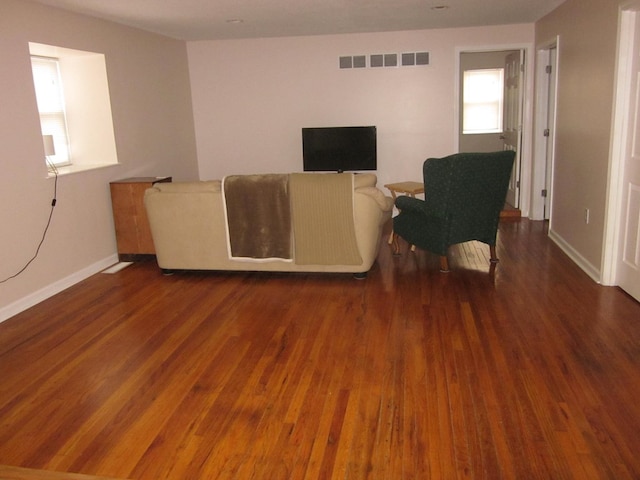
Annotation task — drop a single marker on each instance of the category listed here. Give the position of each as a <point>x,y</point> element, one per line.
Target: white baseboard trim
<point>54,288</point>
<point>579,260</point>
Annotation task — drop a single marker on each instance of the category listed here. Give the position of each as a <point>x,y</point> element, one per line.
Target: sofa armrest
<point>372,211</point>
<point>385,203</point>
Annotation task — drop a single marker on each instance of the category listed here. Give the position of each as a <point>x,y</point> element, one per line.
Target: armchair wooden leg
<point>494,257</point>
<point>394,244</point>
<point>444,264</point>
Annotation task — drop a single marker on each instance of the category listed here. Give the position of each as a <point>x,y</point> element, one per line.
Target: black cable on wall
<point>54,170</point>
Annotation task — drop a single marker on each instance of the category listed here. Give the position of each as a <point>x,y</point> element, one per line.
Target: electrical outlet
<point>586,215</point>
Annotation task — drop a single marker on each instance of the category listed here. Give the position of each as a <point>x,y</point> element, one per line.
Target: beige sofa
<point>332,223</point>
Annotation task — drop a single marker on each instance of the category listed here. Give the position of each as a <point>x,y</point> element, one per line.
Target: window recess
<point>74,105</point>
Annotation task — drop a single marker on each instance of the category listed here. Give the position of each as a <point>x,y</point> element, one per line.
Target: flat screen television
<point>339,149</point>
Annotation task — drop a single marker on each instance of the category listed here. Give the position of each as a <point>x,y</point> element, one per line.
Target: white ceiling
<point>219,19</point>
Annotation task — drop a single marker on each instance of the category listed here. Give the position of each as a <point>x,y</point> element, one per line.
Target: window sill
<point>71,169</point>
<point>482,132</point>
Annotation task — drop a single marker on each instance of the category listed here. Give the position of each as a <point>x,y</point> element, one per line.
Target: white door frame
<point>619,135</point>
<point>527,114</point>
<point>541,145</point>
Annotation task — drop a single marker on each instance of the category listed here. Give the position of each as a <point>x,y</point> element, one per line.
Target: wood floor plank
<point>524,369</point>
<point>16,473</point>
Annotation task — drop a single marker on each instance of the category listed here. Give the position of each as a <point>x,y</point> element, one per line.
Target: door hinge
<point>547,69</point>
<point>544,192</point>
<point>518,184</point>
<point>546,132</point>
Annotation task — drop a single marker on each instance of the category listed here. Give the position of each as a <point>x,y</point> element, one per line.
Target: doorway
<point>507,133</point>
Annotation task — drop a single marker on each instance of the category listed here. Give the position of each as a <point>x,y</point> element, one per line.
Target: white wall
<point>252,97</point>
<point>153,127</point>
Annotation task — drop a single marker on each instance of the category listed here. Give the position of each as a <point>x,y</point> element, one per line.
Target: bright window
<point>483,101</point>
<point>50,97</point>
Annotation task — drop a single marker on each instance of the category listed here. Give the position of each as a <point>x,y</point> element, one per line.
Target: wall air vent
<point>346,62</point>
<point>408,59</point>
<point>417,58</point>
<point>422,58</point>
<point>391,60</point>
<point>359,61</point>
<point>378,60</point>
<point>355,61</point>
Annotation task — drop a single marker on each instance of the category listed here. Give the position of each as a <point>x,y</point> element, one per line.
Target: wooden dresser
<point>130,217</point>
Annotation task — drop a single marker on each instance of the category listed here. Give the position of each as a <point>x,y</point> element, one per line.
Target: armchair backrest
<point>469,191</point>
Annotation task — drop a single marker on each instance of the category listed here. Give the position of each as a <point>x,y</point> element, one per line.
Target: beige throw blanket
<point>323,222</point>
<point>258,216</point>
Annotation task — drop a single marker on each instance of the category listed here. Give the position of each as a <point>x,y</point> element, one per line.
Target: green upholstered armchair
<point>464,194</point>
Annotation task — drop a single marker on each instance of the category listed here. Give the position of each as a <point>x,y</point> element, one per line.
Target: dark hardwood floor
<point>528,371</point>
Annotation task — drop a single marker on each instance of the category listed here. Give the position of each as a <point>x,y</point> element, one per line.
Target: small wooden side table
<point>404,188</point>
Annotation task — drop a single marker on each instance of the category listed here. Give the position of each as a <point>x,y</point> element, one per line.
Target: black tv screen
<point>339,149</point>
